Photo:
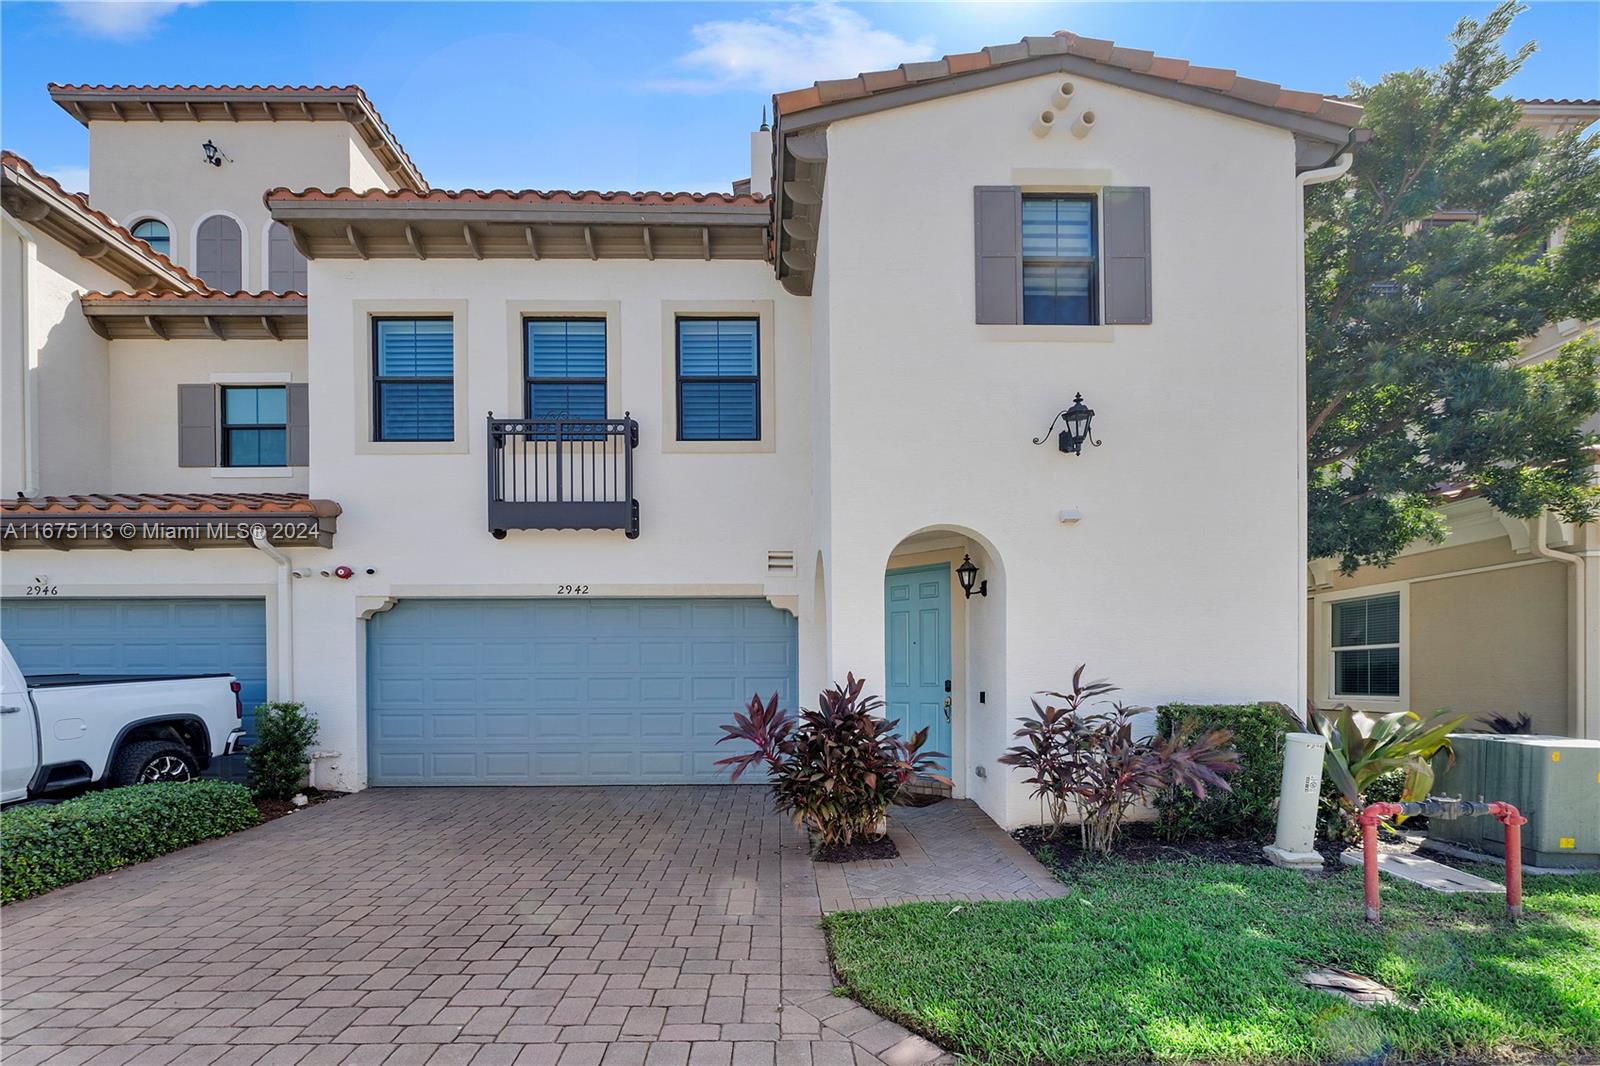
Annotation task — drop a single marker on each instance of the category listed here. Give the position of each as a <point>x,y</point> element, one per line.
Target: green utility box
<point>1553,781</point>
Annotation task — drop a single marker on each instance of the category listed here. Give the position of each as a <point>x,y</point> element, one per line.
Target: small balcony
<point>562,473</point>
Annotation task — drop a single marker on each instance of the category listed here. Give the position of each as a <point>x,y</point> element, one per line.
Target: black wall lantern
<point>214,155</point>
<point>1075,427</point>
<point>967,574</point>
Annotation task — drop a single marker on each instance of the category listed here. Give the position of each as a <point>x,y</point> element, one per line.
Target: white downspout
<point>1338,169</point>
<point>30,364</point>
<point>258,537</point>
<point>1576,638</point>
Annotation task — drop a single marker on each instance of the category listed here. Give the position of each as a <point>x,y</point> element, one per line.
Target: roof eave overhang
<point>289,211</point>
<point>136,319</point>
<point>241,105</point>
<point>37,205</point>
<point>1318,141</point>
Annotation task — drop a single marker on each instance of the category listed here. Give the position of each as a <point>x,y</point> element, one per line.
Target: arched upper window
<point>154,233</point>
<point>219,253</point>
<point>286,267</point>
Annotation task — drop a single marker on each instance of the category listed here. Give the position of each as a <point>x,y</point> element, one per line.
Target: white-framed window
<point>1365,639</point>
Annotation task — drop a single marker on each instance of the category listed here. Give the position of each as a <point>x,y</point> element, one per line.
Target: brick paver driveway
<point>549,926</point>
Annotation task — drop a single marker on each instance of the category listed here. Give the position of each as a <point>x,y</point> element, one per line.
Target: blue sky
<point>660,95</point>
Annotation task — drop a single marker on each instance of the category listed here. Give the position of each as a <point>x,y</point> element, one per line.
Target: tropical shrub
<point>1250,807</point>
<point>46,846</point>
<point>1364,746</point>
<point>278,759</point>
<point>1092,762</point>
<point>1500,723</point>
<point>834,770</point>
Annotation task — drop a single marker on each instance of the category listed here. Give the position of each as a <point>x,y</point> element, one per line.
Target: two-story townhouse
<point>1500,619</point>
<point>603,465</point>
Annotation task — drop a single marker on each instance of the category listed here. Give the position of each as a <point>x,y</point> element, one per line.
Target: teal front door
<point>916,622</point>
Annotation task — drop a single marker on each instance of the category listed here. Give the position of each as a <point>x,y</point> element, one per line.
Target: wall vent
<point>780,562</point>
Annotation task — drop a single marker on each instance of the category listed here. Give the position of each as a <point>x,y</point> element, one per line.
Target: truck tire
<point>152,760</point>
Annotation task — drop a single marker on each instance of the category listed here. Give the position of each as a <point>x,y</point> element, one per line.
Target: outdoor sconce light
<point>214,154</point>
<point>967,573</point>
<point>1075,427</point>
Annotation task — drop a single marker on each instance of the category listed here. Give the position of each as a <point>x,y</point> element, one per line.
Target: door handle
<point>9,710</point>
<point>947,708</point>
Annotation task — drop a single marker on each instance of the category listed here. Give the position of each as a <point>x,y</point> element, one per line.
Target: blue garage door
<point>566,692</point>
<point>135,636</point>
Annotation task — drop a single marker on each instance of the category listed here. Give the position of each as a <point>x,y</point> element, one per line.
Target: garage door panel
<point>567,691</point>
<point>149,636</point>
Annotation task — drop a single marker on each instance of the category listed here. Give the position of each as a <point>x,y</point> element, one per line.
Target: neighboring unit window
<point>155,234</point>
<point>286,267</point>
<point>719,379</point>
<point>1059,279</point>
<point>1366,646</point>
<point>219,253</point>
<point>414,379</point>
<point>254,426</point>
<point>564,362</point>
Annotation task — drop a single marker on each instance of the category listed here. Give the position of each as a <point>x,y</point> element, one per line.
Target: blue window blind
<point>155,234</point>
<point>1059,260</point>
<point>719,379</point>
<point>414,386</point>
<point>254,426</point>
<point>1366,646</point>
<point>566,367</point>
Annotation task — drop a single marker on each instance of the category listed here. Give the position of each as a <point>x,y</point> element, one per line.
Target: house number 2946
<point>572,590</point>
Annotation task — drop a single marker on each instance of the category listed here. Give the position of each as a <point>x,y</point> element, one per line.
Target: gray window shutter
<point>219,254</point>
<point>299,425</point>
<point>1126,222</point>
<point>197,425</point>
<point>998,210</point>
<point>286,267</point>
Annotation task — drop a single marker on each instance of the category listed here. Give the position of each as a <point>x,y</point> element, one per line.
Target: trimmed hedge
<point>1251,809</point>
<point>46,846</point>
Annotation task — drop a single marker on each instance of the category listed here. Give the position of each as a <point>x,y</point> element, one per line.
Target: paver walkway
<point>542,926</point>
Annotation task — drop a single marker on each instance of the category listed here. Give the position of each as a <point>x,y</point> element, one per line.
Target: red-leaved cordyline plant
<point>834,770</point>
<point>1092,762</point>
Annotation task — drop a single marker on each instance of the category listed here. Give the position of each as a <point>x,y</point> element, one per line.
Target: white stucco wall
<point>145,375</point>
<point>1184,578</point>
<point>157,169</point>
<point>46,338</point>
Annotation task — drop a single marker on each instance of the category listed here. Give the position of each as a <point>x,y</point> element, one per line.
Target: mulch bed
<point>860,851</point>
<point>273,809</point>
<point>1142,842</point>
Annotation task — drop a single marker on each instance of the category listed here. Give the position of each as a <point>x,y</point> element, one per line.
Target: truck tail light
<point>238,704</point>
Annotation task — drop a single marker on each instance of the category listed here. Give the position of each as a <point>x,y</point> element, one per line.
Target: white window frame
<point>1323,683</point>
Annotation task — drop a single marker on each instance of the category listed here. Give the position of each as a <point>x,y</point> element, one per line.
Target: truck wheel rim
<point>166,768</point>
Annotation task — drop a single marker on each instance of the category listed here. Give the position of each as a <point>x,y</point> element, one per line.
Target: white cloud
<point>789,49</point>
<point>120,19</point>
<point>74,177</point>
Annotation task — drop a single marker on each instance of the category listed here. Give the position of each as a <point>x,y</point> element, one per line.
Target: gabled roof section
<point>1322,126</point>
<point>244,103</point>
<point>38,199</point>
<point>1095,58</point>
<point>212,315</point>
<point>526,224</point>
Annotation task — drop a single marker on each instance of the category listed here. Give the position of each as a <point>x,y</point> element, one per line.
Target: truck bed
<point>69,680</point>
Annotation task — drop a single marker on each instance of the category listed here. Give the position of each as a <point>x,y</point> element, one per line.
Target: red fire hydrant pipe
<point>1512,819</point>
<point>1368,820</point>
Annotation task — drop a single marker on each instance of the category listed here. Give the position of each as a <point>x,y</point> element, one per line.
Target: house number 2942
<point>572,590</point>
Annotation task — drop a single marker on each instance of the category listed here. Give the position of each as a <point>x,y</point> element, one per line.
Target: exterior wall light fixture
<point>1076,422</point>
<point>214,155</point>
<point>967,573</point>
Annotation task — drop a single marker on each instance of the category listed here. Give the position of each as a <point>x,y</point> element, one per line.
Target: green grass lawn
<point>1189,961</point>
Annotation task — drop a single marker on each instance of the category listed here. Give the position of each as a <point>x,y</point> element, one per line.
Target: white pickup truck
<point>64,731</point>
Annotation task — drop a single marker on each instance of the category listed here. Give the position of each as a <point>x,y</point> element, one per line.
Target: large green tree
<point>1414,331</point>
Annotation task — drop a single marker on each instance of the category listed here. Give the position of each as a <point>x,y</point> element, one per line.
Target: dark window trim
<point>738,379</point>
<point>378,381</point>
<point>529,381</point>
<point>1092,261</point>
<point>224,426</point>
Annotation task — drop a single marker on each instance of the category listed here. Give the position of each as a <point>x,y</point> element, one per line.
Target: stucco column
<point>330,670</point>
<point>855,616</point>
<point>1588,723</point>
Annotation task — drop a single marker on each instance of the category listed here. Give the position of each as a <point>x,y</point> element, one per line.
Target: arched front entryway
<point>944,648</point>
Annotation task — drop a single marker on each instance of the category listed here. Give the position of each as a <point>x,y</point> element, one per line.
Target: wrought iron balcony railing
<point>562,473</point>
